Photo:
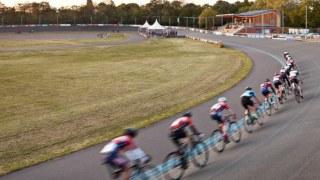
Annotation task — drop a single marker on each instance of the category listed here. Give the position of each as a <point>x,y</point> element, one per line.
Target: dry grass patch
<point>56,102</point>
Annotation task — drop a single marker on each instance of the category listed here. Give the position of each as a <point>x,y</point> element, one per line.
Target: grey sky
<point>59,3</point>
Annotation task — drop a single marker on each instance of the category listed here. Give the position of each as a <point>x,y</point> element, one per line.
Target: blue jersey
<point>249,93</point>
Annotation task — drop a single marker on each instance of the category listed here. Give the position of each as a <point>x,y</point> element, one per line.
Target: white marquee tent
<point>156,26</point>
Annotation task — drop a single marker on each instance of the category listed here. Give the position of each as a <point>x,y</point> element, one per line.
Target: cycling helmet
<point>133,132</point>
<point>222,99</point>
<point>187,114</point>
<point>248,88</point>
<point>285,53</point>
<point>267,80</point>
<point>282,70</point>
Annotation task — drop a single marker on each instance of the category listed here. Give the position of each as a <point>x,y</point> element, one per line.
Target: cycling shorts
<point>294,80</point>
<point>217,117</point>
<point>116,161</point>
<point>265,92</point>
<point>277,84</point>
<point>246,102</point>
<point>178,134</point>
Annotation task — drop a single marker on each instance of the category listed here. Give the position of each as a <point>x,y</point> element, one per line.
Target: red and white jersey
<point>276,78</point>
<point>219,107</point>
<point>181,122</point>
<point>266,85</point>
<point>123,141</point>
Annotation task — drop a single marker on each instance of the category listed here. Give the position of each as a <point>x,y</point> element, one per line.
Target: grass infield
<point>56,102</point>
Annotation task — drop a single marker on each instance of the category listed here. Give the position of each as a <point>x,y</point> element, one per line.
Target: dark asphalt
<point>286,147</point>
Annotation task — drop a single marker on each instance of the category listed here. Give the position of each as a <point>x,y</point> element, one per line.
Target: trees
<point>206,18</point>
<point>167,12</point>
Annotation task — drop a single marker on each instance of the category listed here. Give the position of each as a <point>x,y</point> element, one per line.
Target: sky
<point>59,3</point>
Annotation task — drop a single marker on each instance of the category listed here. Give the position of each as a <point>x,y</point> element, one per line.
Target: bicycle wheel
<point>248,124</point>
<point>200,155</point>
<point>297,95</point>
<point>173,166</point>
<point>276,103</point>
<point>267,108</point>
<point>260,114</point>
<point>218,141</point>
<point>148,172</point>
<point>234,132</point>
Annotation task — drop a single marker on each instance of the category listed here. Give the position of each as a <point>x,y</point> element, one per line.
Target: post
<point>74,20</point>
<point>2,21</point>
<point>194,22</point>
<point>20,19</point>
<point>57,19</point>
<point>169,21</point>
<point>39,19</point>
<point>107,19</point>
<point>206,23</point>
<point>213,23</point>
<point>262,24</point>
<point>135,20</point>
<point>187,22</point>
<point>91,19</point>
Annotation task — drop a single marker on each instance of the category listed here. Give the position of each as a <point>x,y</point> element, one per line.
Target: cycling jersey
<point>249,93</point>
<point>276,78</point>
<point>294,73</point>
<point>265,85</point>
<point>219,107</point>
<point>181,123</point>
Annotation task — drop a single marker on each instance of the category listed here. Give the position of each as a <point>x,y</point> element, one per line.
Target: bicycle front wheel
<point>200,155</point>
<point>248,125</point>
<point>218,141</point>
<point>234,132</point>
<point>148,172</point>
<point>267,108</point>
<point>297,95</point>
<point>173,166</point>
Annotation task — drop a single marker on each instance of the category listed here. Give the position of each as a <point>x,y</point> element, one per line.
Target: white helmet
<point>282,70</point>
<point>222,99</point>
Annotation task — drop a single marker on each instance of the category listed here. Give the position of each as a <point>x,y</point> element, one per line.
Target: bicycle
<point>296,92</point>
<point>271,102</point>
<point>176,162</point>
<point>250,121</point>
<point>140,168</point>
<point>233,132</point>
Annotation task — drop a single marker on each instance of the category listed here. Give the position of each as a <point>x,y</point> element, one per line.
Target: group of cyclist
<point>179,128</point>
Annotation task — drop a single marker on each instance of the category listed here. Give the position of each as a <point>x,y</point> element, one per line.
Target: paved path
<point>287,147</point>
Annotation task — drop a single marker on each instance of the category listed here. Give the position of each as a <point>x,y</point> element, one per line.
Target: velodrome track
<point>286,147</point>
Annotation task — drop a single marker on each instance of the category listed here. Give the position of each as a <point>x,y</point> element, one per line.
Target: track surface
<point>286,147</point>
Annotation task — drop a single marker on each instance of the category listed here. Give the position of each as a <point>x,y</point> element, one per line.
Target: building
<point>258,21</point>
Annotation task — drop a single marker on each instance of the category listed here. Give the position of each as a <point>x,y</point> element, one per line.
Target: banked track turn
<point>286,147</point>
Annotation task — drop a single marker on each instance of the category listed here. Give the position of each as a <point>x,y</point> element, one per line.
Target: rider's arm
<point>257,100</point>
<point>232,113</point>
<point>194,130</point>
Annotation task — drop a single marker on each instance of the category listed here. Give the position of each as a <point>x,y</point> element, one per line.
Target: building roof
<point>247,14</point>
<point>255,13</point>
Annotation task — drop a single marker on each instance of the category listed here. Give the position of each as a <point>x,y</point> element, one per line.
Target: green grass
<point>56,102</point>
<point>113,37</point>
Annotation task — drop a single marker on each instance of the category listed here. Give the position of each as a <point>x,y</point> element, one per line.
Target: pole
<point>91,19</point>
<point>135,20</point>
<point>20,19</point>
<point>306,14</point>
<point>107,19</point>
<point>57,19</point>
<point>74,20</point>
<point>169,21</point>
<point>213,23</point>
<point>2,20</point>
<point>282,21</point>
<point>194,22</point>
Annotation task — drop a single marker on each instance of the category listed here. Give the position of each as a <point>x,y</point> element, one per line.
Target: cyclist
<point>178,133</point>
<point>265,88</point>
<point>295,79</point>
<point>115,150</point>
<point>286,55</point>
<point>283,76</point>
<point>216,113</point>
<point>278,86</point>
<point>249,105</point>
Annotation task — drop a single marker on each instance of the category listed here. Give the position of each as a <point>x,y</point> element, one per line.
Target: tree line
<point>167,12</point>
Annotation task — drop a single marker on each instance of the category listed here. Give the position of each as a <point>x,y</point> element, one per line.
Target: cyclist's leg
<point>219,119</point>
<point>123,164</point>
<point>177,139</point>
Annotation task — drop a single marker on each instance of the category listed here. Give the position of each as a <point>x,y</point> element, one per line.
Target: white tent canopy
<point>156,26</point>
<point>145,25</point>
